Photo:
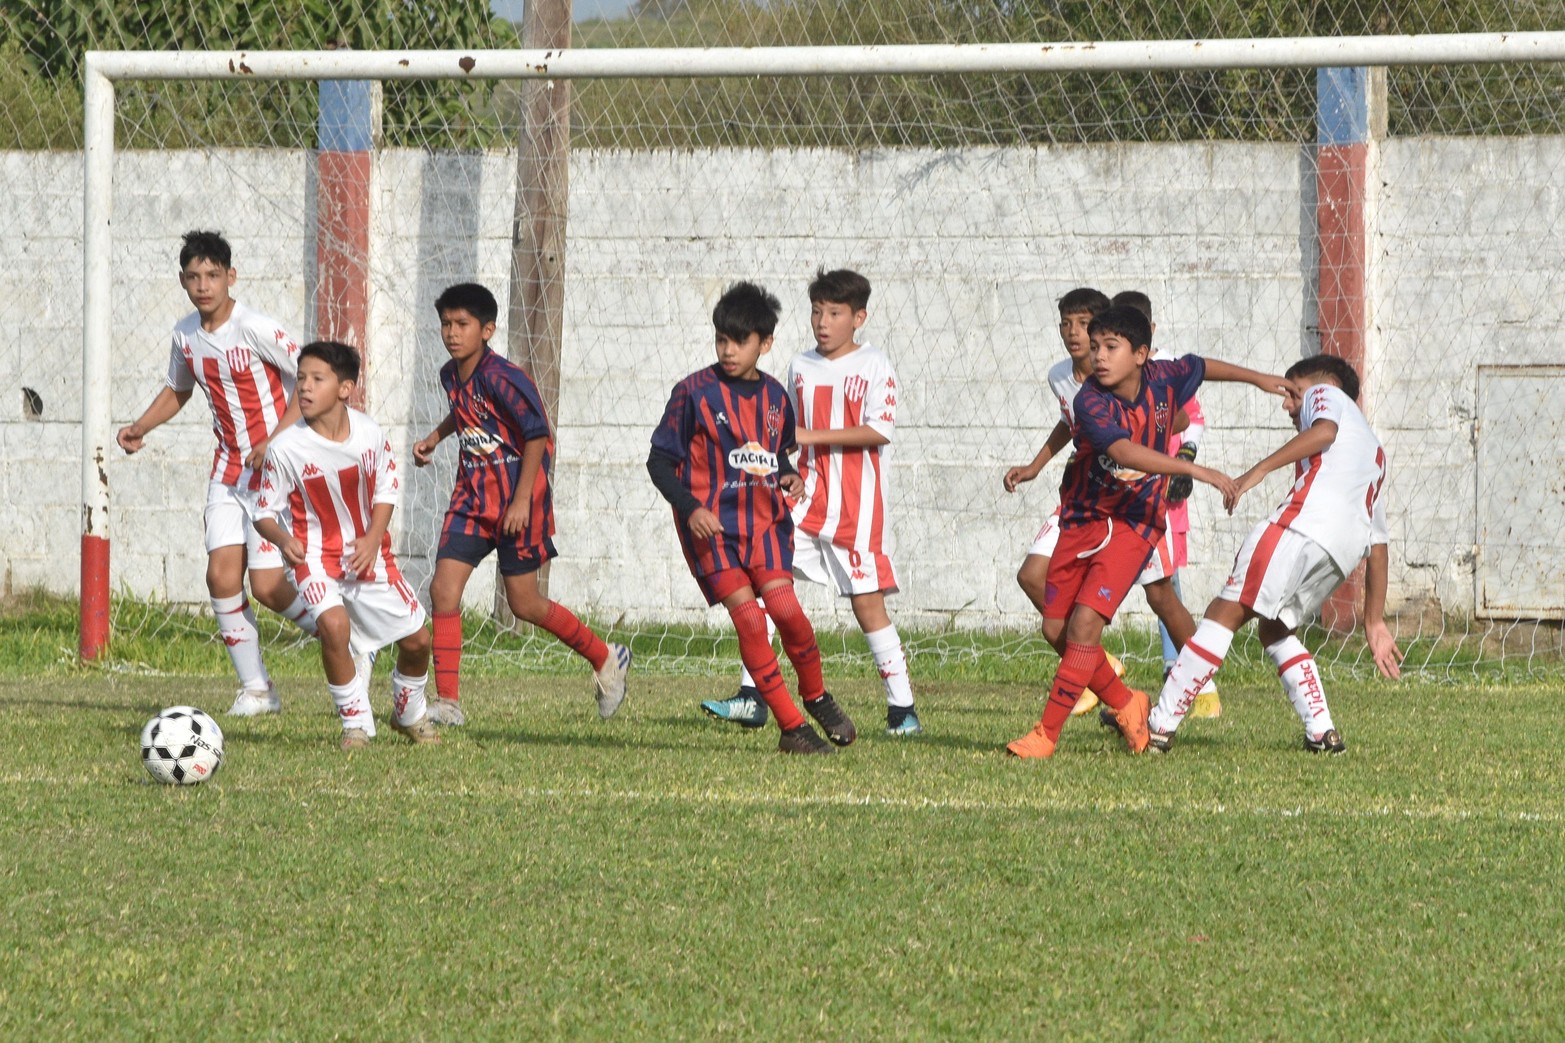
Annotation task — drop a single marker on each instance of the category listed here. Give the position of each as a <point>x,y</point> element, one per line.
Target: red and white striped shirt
<point>845,489</point>
<point>328,491</point>
<point>246,367</point>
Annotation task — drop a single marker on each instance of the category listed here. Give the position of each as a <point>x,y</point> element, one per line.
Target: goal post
<point>103,70</point>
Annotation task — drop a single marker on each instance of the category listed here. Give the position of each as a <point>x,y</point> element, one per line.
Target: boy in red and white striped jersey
<point>845,396</point>
<point>333,476</point>
<point>244,362</point>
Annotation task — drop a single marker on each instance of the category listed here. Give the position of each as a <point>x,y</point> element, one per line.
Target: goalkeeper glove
<point>1180,486</point>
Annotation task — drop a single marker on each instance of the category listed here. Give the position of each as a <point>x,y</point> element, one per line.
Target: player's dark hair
<point>840,286</point>
<point>1083,299</point>
<point>470,297</point>
<point>1339,370</point>
<point>1133,299</point>
<point>343,360</point>
<point>743,309</point>
<point>205,246</point>
<point>1125,321</point>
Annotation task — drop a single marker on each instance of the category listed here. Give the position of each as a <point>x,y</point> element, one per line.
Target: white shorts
<point>850,571</point>
<point>382,611</point>
<point>1161,564</point>
<point>230,522</point>
<point>1283,575</point>
<point>1048,537</point>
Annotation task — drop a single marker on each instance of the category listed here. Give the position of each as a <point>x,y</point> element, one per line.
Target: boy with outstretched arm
<point>1333,517</point>
<point>719,457</point>
<point>502,502</point>
<point>333,475</point>
<point>244,364</point>
<point>845,398</point>
<point>1113,510</point>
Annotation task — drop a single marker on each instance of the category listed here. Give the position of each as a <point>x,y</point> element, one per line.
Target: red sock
<point>1076,669</point>
<point>798,640</point>
<point>564,625</point>
<point>1114,692</point>
<point>448,654</point>
<point>755,651</point>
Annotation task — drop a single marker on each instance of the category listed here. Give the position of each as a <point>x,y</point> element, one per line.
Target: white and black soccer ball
<point>182,746</point>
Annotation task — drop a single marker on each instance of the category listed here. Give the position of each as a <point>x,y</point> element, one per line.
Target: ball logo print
<point>181,746</point>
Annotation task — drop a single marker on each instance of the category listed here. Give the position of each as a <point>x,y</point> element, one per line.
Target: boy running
<point>502,502</point>
<point>719,457</point>
<point>244,363</point>
<point>1333,517</point>
<point>334,476</point>
<point>845,399</point>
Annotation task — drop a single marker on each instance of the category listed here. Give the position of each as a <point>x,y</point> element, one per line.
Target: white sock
<point>352,701</point>
<point>1301,683</point>
<point>298,613</point>
<point>745,680</point>
<point>236,624</point>
<point>1192,672</point>
<point>407,696</point>
<point>886,646</point>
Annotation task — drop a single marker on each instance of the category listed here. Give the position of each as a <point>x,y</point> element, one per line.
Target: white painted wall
<point>967,252</point>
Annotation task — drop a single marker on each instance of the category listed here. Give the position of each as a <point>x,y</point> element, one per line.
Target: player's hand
<point>1222,483</point>
<point>515,517</point>
<point>1276,386</point>
<point>257,456</point>
<point>362,558</point>
<point>1249,480</point>
<point>792,485</point>
<point>424,451</point>
<point>704,524</point>
<point>1180,486</point>
<point>130,438</point>
<point>292,550</point>
<point>1017,475</point>
<point>1388,657</point>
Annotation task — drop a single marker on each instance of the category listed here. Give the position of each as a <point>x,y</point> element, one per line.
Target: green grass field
<point>545,874</point>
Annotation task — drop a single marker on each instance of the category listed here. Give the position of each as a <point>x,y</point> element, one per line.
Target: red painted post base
<point>94,597</point>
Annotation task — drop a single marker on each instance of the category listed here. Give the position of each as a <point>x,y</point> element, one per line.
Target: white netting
<point>971,202</point>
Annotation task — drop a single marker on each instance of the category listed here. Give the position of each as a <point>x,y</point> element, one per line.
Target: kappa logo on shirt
<point>753,458</point>
<point>311,471</point>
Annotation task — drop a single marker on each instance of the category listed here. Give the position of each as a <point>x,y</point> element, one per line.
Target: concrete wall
<point>967,252</point>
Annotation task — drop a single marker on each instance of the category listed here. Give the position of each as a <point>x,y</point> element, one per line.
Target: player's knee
<point>334,629</point>
<point>529,608</point>
<point>417,643</point>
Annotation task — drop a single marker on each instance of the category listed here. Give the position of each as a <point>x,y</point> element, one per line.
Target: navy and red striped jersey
<point>727,436</point>
<point>1095,486</point>
<point>497,410</point>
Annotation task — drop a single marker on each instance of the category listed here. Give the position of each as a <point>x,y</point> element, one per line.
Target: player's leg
<point>799,645</point>
<point>452,571</point>
<point>334,629</point>
<point>1313,575</point>
<point>410,714</point>
<point>1175,626</point>
<point>1033,576</point>
<point>271,588</point>
<point>241,637</point>
<point>731,588</point>
<point>1195,666</point>
<point>745,707</point>
<point>385,611</point>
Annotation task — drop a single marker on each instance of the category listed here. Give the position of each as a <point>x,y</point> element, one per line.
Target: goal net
<point>1393,199</point>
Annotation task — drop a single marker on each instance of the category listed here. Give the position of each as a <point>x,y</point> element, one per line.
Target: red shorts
<point>1094,565</point>
<point>719,585</point>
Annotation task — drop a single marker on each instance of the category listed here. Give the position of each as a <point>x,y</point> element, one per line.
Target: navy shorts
<point>516,559</point>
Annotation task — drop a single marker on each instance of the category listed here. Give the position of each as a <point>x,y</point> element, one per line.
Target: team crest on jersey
<point>313,592</point>
<point>1161,416</point>
<point>239,357</point>
<point>480,404</point>
<point>479,442</point>
<point>773,420</point>
<point>367,460</point>
<point>753,458</point>
<point>854,388</point>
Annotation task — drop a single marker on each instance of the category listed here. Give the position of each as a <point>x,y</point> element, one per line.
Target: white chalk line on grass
<point>737,798</point>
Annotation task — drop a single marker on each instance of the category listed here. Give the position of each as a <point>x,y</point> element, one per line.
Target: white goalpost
<point>1252,254</point>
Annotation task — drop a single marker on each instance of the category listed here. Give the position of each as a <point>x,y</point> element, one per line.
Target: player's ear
<point>859,318</point>
<point>766,345</point>
<point>233,276</point>
<point>487,332</point>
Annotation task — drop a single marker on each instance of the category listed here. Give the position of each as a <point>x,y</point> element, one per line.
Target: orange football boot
<point>1034,744</point>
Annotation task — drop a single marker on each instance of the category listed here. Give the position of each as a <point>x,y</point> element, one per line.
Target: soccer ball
<point>182,746</point>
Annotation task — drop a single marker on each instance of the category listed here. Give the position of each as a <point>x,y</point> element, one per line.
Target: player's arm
<point>367,546</point>
<point>521,504</point>
<point>1057,440</point>
<point>424,448</point>
<point>1137,457</point>
<point>1227,371</point>
<point>164,405</point>
<point>289,417</point>
<point>1301,446</point>
<point>860,436</point>
<point>1382,646</point>
<point>664,472</point>
<point>269,529</point>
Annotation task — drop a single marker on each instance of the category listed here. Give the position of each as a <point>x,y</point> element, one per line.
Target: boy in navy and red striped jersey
<point>1113,510</point>
<point>502,501</point>
<point>720,458</point>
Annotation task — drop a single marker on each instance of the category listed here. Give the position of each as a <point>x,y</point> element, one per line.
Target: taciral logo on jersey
<point>753,458</point>
<point>239,357</point>
<point>479,442</point>
<point>854,388</point>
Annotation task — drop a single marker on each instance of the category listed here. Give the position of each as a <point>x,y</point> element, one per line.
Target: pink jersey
<point>845,489</point>
<point>1179,513</point>
<point>246,367</point>
<point>328,491</point>
<point>1335,499</point>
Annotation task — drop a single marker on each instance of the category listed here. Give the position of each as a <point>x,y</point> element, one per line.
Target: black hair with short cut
<point>1133,299</point>
<point>472,298</point>
<point>743,309</point>
<point>1340,370</point>
<point>205,246</point>
<point>342,359</point>
<point>1083,299</point>
<point>1125,321</point>
<point>840,286</point>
